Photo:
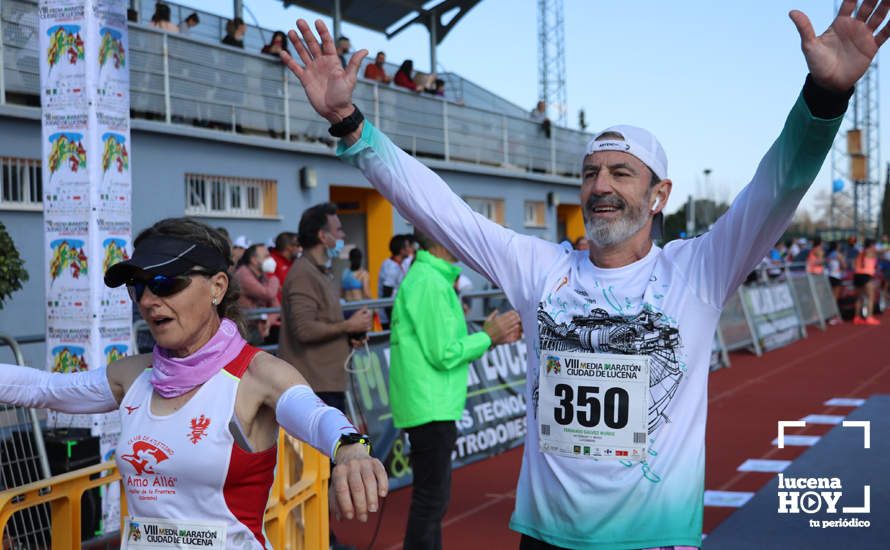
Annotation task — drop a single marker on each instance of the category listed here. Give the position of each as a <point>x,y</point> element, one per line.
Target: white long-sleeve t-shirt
<point>665,306</point>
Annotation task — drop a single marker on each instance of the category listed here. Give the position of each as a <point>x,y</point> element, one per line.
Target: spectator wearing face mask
<point>259,288</point>
<point>314,336</point>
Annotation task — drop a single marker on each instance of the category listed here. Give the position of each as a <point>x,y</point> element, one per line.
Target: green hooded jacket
<point>429,346</point>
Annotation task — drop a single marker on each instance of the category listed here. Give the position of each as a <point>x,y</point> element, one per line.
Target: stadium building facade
<point>227,136</point>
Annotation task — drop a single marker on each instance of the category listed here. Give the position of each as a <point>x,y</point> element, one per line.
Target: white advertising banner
<point>84,90</point>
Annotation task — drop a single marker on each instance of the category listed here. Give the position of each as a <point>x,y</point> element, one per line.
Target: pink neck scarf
<point>174,376</point>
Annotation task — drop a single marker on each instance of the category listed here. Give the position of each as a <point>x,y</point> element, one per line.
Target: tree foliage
<point>12,267</point>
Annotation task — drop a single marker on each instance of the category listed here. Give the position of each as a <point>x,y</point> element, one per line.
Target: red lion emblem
<point>199,427</point>
<point>145,457</point>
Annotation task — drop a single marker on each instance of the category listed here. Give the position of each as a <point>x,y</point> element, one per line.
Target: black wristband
<point>350,439</point>
<point>347,125</point>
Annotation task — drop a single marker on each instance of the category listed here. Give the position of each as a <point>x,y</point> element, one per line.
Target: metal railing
<point>212,28</point>
<point>186,80</point>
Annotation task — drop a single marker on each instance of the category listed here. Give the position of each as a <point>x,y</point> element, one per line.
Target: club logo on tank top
<point>198,427</point>
<point>145,455</point>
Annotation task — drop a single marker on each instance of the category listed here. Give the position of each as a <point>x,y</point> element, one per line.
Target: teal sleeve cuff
<point>803,144</point>
<point>369,133</point>
<point>802,106</point>
<point>477,344</point>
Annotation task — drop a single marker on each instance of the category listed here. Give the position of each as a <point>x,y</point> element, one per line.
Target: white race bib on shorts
<point>593,405</point>
<point>169,534</point>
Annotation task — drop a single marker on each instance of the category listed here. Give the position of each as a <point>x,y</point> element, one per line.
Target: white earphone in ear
<point>657,202</point>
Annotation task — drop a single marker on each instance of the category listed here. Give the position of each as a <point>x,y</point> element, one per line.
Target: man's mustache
<point>598,201</point>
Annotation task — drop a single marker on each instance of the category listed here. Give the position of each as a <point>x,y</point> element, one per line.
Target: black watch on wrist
<point>347,125</point>
<point>352,439</point>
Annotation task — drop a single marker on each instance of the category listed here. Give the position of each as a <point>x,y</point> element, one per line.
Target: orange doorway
<point>569,222</point>
<point>367,221</point>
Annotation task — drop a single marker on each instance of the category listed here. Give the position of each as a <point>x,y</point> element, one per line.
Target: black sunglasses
<point>163,285</point>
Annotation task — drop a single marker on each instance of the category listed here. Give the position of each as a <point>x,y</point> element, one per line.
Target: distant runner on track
<point>619,337</point>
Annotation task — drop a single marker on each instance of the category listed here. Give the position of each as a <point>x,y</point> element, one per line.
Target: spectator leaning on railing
<point>377,69</point>
<point>404,76</point>
<point>235,30</point>
<point>277,45</point>
<point>539,114</point>
<point>161,18</point>
<point>185,27</point>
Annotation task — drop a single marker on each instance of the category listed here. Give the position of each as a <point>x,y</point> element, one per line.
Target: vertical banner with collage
<point>84,84</point>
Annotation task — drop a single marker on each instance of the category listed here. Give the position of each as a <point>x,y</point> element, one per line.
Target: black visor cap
<point>161,255</point>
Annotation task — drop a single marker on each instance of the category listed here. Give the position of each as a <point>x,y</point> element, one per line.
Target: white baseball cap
<point>637,142</point>
<point>241,242</point>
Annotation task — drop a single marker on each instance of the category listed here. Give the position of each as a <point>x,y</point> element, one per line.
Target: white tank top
<point>185,466</point>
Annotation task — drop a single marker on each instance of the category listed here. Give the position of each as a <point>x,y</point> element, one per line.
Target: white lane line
<point>844,402</point>
<point>799,440</point>
<point>727,499</point>
<point>833,419</point>
<point>764,465</point>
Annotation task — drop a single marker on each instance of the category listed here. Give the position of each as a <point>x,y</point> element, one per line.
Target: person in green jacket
<point>430,351</point>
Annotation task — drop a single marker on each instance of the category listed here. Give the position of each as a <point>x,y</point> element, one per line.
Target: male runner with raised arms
<point>619,337</point>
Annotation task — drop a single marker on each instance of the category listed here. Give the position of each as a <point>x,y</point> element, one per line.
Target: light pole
<point>708,215</point>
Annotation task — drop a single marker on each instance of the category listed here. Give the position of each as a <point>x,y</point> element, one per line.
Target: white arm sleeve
<point>513,261</point>
<point>75,393</point>
<point>303,415</point>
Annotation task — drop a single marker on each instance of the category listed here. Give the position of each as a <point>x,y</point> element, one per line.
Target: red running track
<point>744,404</point>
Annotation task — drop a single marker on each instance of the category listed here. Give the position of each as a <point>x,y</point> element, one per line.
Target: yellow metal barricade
<point>296,514</point>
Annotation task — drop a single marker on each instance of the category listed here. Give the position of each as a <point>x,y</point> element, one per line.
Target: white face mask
<point>269,265</point>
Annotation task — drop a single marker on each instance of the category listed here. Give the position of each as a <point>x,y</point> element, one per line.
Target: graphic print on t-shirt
<point>596,331</point>
<point>145,455</point>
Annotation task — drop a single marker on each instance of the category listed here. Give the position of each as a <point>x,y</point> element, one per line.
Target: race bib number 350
<point>593,405</point>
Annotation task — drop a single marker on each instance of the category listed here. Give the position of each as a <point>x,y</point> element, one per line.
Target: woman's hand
<point>359,481</point>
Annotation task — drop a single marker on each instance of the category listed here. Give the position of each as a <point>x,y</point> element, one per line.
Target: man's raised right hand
<point>327,84</point>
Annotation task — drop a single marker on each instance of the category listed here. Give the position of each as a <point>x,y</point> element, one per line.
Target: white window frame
<point>488,207</point>
<point>530,214</point>
<point>30,184</point>
<point>226,196</point>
